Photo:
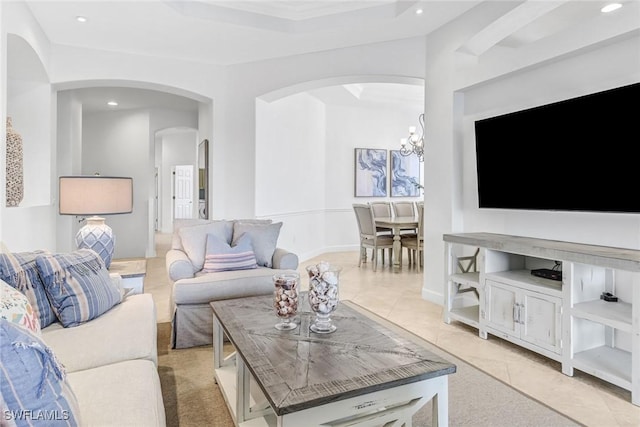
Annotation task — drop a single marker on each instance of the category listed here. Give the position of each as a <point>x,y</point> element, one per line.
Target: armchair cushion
<point>264,238</point>
<point>194,239</point>
<point>223,257</point>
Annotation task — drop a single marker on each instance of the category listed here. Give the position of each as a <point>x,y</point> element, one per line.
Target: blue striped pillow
<point>33,383</point>
<point>21,272</point>
<point>220,256</point>
<point>78,285</point>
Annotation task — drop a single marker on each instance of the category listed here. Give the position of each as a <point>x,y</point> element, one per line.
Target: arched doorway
<point>130,130</point>
<point>305,141</point>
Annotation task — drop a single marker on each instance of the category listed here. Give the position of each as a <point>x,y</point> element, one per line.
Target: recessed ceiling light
<point>80,18</point>
<point>611,7</point>
<point>419,11</point>
<point>112,103</point>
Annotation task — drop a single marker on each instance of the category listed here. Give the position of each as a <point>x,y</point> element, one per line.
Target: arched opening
<point>306,137</point>
<point>141,137</point>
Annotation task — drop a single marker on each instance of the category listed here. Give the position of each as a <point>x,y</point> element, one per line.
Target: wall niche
<point>29,105</point>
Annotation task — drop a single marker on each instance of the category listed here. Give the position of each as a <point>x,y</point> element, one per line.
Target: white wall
<point>117,144</point>
<point>290,169</point>
<point>69,161</point>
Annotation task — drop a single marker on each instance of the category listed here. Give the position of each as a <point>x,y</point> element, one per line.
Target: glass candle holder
<point>323,296</point>
<point>285,300</point>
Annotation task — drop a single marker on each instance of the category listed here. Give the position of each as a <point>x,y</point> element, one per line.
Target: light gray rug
<point>477,399</point>
<point>192,397</point>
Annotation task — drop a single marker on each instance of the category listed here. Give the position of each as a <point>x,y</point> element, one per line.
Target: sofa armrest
<point>178,265</point>
<point>285,260</point>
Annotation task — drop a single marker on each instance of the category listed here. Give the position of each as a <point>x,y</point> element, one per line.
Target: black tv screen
<point>579,154</point>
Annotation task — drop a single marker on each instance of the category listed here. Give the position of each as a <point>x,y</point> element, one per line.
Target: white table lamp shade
<point>96,195</point>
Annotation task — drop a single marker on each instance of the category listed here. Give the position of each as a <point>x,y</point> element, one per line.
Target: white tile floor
<point>397,297</point>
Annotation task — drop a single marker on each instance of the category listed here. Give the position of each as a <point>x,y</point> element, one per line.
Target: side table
<point>132,273</point>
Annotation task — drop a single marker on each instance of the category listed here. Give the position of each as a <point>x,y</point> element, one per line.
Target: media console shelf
<point>489,286</point>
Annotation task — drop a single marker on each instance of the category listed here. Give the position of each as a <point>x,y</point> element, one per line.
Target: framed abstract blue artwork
<point>370,172</point>
<point>405,175</point>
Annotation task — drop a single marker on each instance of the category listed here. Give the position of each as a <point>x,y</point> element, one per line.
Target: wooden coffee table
<point>361,374</point>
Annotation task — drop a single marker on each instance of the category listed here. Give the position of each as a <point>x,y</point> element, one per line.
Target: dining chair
<point>415,244</point>
<point>369,238</point>
<point>382,210</point>
<point>404,208</point>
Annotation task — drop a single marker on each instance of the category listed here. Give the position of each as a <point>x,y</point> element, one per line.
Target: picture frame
<point>370,166</point>
<point>405,174</point>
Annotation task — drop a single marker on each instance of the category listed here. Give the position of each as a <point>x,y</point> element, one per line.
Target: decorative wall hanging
<point>405,175</point>
<point>370,172</point>
<point>15,180</point>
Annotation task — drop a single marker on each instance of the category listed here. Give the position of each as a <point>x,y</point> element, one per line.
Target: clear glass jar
<point>285,300</point>
<point>323,295</point>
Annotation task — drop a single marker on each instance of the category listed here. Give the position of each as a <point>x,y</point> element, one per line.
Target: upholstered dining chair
<point>382,210</point>
<point>369,238</point>
<point>415,243</point>
<point>405,208</point>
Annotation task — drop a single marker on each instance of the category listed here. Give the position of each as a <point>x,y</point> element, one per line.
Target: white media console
<point>490,287</point>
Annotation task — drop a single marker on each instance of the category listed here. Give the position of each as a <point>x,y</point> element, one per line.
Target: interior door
<point>183,191</point>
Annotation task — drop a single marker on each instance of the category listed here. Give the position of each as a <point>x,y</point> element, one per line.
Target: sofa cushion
<point>32,381</point>
<point>184,222</point>
<point>127,393</point>
<point>78,285</point>
<point>223,257</point>
<point>194,239</point>
<point>127,331</point>
<point>264,238</point>
<point>15,307</point>
<point>21,272</point>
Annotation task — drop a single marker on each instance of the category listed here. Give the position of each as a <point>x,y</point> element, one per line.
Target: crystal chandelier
<point>414,143</point>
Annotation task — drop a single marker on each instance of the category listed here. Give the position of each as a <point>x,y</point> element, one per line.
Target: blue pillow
<point>21,272</point>
<point>32,381</point>
<point>220,256</point>
<point>264,239</point>
<point>78,286</point>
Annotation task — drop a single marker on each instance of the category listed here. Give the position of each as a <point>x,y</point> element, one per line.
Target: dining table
<point>397,224</point>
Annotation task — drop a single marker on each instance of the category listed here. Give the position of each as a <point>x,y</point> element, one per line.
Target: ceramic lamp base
<point>98,236</point>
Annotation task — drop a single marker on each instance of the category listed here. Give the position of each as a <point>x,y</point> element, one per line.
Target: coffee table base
<point>395,405</point>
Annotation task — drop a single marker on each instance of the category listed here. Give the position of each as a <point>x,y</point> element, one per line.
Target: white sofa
<point>193,290</point>
<point>110,362</point>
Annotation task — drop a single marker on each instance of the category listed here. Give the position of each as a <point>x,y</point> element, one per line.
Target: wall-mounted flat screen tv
<point>580,154</point>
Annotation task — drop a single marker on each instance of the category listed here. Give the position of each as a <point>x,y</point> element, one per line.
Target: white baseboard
<point>431,296</point>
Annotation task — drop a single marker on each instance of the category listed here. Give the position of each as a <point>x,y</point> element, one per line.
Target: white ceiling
<point>239,31</point>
